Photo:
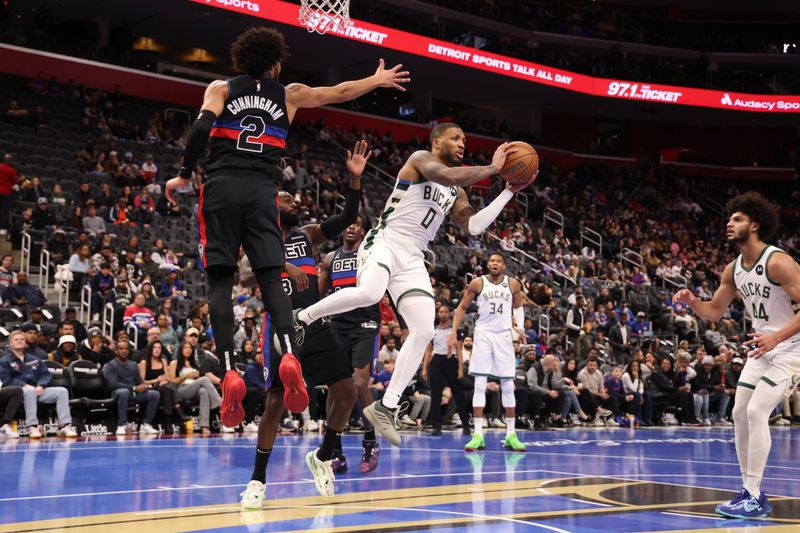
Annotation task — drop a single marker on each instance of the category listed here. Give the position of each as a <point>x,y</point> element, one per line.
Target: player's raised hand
<point>500,154</point>
<point>520,186</point>
<point>684,296</point>
<point>391,77</point>
<point>357,159</point>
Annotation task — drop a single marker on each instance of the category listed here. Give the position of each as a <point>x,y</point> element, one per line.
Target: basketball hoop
<point>322,16</point>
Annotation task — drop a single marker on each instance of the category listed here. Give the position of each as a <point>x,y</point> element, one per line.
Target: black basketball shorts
<point>239,210</point>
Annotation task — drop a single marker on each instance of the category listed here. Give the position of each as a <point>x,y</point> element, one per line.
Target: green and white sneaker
<point>253,496</point>
<point>512,443</point>
<point>384,420</point>
<point>475,443</point>
<point>322,472</point>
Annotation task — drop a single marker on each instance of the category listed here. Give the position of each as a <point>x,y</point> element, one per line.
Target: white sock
<point>478,422</point>
<point>510,430</point>
<point>419,312</point>
<point>753,486</point>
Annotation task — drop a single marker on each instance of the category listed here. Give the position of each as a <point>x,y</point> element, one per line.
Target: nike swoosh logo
<point>794,341</point>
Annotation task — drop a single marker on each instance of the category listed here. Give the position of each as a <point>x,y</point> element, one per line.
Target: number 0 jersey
<point>768,305</point>
<point>413,213</point>
<point>494,306</point>
<point>250,133</point>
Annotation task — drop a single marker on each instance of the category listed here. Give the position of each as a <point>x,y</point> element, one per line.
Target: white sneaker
<point>723,422</point>
<point>252,427</point>
<point>782,422</point>
<point>407,420</point>
<point>322,472</point>
<point>611,423</point>
<point>34,433</point>
<point>598,422</point>
<point>497,423</point>
<point>603,412</point>
<point>311,426</point>
<point>121,431</point>
<point>7,432</point>
<point>226,429</point>
<point>706,421</point>
<point>253,496</point>
<point>68,432</point>
<point>147,429</point>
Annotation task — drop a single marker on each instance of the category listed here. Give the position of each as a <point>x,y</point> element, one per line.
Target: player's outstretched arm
<point>784,271</point>
<point>213,104</point>
<point>335,225</point>
<point>299,96</point>
<point>426,164</point>
<point>473,290</point>
<point>722,298</point>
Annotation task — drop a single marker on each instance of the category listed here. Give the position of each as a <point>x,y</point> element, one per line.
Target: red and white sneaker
<point>233,390</point>
<point>295,396</point>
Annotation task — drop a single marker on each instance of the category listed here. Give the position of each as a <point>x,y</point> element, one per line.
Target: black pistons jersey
<point>250,133</point>
<point>343,274</point>
<point>299,253</point>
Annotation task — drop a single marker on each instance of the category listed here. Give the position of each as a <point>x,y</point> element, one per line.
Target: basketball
<point>520,164</point>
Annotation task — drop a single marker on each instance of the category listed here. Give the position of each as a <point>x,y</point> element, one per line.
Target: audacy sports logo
<point>253,7</point>
<point>739,103</point>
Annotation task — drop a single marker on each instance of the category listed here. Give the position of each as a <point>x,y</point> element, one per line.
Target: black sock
<point>325,452</point>
<point>369,434</point>
<point>220,285</point>
<point>260,468</point>
<point>337,447</point>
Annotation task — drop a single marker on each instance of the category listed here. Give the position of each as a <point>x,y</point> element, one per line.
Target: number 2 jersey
<point>768,305</point>
<point>250,133</point>
<point>413,213</point>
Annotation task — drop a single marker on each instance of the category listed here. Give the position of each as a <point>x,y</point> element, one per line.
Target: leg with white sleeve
<point>511,441</point>
<point>419,311</point>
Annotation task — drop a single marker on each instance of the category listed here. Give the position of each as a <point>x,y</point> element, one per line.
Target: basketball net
<point>322,16</point>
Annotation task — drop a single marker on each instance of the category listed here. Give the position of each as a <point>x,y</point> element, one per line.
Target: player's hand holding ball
<point>521,165</point>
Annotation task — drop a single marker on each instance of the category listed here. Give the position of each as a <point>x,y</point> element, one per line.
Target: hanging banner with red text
<point>373,34</point>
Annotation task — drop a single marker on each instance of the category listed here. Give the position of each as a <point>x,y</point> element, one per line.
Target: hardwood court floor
<point>586,480</point>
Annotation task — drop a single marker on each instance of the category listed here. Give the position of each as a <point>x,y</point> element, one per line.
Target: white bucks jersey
<point>494,306</point>
<point>414,212</point>
<point>765,301</point>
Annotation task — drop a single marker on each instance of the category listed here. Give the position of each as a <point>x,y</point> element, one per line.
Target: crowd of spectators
<point>602,338</point>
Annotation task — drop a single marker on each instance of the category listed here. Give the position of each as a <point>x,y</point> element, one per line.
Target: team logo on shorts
<point>266,375</point>
<point>760,269</point>
<point>200,249</point>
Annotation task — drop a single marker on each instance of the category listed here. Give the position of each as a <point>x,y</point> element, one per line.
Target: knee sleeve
<point>507,390</point>
<point>479,396</point>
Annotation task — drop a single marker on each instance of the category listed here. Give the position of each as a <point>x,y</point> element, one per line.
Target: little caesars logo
<point>739,103</point>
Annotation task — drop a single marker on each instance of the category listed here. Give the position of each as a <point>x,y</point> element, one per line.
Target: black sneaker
<point>436,430</point>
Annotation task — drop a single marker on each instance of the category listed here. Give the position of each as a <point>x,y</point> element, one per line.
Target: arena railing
<point>63,293</point>
<point>541,264</point>
<point>632,256</point>
<point>551,215</point>
<point>25,258</point>
<point>85,313</point>
<point>544,325</point>
<point>107,325</point>
<point>522,201</point>
<point>44,269</point>
<point>592,237</point>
